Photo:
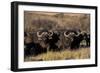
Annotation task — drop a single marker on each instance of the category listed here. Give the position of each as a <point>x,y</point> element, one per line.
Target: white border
<point>22,64</point>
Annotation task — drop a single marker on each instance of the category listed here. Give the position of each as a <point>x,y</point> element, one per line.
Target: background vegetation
<point>35,21</point>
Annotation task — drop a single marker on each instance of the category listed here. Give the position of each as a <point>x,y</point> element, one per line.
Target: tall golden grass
<point>82,53</point>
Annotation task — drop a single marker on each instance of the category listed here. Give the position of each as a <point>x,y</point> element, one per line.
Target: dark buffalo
<point>52,39</point>
<point>87,39</point>
<point>48,39</point>
<point>31,47</point>
<point>74,38</point>
<point>77,39</point>
<point>42,38</point>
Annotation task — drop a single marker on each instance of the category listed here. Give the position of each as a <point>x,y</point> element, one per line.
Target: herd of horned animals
<point>54,40</point>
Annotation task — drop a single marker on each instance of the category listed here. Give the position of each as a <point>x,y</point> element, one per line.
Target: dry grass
<point>36,20</point>
<point>82,53</point>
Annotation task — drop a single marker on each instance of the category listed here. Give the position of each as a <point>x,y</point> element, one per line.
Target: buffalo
<point>87,39</point>
<point>74,39</point>
<point>31,47</point>
<point>77,39</point>
<point>49,39</point>
<point>52,40</point>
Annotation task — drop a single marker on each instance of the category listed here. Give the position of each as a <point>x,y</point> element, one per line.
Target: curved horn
<point>51,33</point>
<point>38,34</point>
<point>65,34</point>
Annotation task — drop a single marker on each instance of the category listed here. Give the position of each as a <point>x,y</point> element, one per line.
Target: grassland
<point>51,20</point>
<point>35,21</point>
<point>82,53</point>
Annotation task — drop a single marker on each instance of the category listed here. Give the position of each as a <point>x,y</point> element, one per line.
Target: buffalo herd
<point>54,40</point>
